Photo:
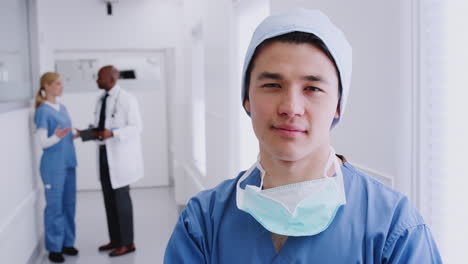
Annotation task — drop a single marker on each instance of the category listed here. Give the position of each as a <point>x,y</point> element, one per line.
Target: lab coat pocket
<point>117,121</point>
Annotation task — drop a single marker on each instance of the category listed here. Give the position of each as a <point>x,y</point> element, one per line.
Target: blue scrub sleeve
<point>413,245</point>
<point>185,244</point>
<point>40,118</point>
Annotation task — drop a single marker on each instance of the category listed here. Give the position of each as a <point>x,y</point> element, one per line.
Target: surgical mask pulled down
<point>298,209</point>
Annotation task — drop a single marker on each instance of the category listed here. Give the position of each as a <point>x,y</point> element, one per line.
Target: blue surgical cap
<point>308,21</point>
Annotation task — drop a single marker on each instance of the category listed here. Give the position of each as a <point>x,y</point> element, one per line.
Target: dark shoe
<point>122,250</point>
<point>107,246</point>
<point>71,251</point>
<point>56,257</point>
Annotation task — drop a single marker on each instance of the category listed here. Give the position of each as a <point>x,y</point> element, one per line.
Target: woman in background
<point>57,168</point>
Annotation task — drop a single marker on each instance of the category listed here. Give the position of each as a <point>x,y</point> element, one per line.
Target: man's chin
<point>288,156</point>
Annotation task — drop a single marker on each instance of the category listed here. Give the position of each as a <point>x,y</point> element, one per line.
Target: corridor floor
<point>155,214</point>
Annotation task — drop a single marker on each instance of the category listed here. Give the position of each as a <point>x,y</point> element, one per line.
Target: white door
<point>78,71</point>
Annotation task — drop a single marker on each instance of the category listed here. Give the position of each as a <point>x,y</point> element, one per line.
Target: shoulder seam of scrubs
<point>426,228</point>
<point>190,229</point>
<point>398,233</point>
<point>374,181</point>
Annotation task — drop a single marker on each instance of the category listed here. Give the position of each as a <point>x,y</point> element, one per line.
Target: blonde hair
<point>46,78</point>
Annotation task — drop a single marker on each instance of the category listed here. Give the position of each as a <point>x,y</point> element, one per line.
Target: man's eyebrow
<point>269,75</point>
<point>279,77</point>
<point>314,78</point>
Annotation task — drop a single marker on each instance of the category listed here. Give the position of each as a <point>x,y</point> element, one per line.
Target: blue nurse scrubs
<point>57,168</point>
<point>377,225</point>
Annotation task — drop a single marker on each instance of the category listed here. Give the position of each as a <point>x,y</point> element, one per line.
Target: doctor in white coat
<point>118,123</point>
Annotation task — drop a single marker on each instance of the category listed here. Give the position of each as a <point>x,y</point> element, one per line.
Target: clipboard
<point>88,134</point>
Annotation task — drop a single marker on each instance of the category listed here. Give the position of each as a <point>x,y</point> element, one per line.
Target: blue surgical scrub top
<point>61,155</point>
<point>377,225</point>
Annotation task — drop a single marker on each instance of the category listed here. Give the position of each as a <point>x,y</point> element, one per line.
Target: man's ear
<point>337,113</point>
<point>247,105</point>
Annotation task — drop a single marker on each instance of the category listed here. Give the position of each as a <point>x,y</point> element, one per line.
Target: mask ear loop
<point>340,180</point>
<point>262,174</point>
<point>330,162</point>
<point>239,191</point>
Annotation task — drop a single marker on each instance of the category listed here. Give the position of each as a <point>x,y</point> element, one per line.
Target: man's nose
<point>291,103</point>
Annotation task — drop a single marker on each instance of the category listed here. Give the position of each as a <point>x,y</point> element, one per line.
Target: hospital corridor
<point>233,131</point>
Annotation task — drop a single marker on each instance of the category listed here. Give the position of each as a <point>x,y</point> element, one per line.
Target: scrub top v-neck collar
<point>56,106</point>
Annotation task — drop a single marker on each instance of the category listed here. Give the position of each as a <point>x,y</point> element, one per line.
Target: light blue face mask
<point>299,209</point>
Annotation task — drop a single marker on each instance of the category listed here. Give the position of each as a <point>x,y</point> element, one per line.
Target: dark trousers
<point>118,205</point>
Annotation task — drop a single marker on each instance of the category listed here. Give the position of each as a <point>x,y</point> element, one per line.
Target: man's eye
<point>313,89</point>
<point>271,85</point>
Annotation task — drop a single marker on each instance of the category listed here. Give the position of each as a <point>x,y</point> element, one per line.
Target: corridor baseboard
<point>38,252</point>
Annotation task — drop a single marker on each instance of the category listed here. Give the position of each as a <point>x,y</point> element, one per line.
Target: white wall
<point>135,26</point>
<point>455,232</point>
<point>85,25</point>
<point>376,130</point>
<point>221,93</point>
<point>21,196</point>
<point>248,15</point>
<point>221,98</point>
<point>188,180</point>
<point>14,52</point>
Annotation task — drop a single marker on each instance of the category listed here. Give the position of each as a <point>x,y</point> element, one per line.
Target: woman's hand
<point>77,135</point>
<point>60,133</point>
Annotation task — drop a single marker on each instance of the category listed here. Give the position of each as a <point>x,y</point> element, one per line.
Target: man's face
<point>105,80</point>
<point>293,98</point>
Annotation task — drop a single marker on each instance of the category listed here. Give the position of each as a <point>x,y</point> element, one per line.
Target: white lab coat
<point>124,152</point>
